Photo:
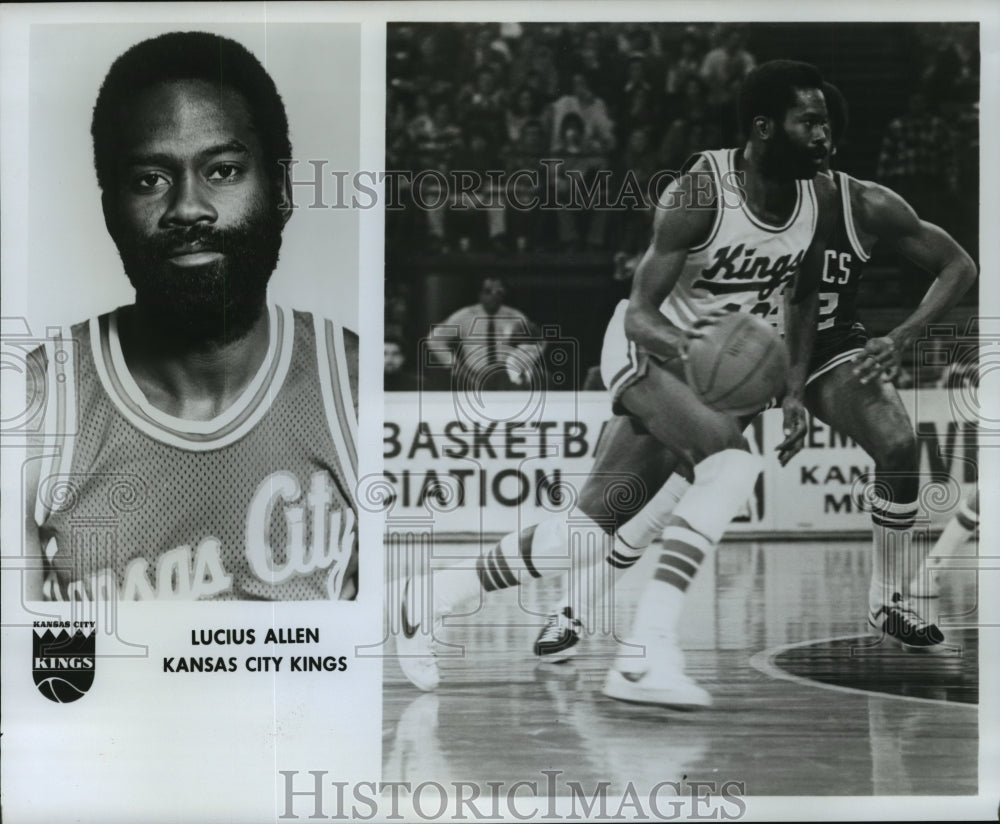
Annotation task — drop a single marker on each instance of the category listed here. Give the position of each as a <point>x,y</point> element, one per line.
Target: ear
<point>283,191</point>
<point>107,207</point>
<point>763,127</point>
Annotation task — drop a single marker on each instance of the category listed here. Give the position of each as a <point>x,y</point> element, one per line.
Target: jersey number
<point>828,309</point>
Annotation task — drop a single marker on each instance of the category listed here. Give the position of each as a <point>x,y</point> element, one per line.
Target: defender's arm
<point>892,221</point>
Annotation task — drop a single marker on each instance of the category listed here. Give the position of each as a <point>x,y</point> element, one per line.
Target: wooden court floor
<point>805,702</point>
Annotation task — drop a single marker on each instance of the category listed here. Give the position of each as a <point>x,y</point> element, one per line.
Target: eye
<point>225,172</point>
<point>149,181</point>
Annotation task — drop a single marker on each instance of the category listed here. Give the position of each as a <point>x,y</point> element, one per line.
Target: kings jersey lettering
<point>743,264</point>
<point>739,269</point>
<point>255,504</point>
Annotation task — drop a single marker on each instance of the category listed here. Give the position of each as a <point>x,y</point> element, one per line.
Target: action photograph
<point>681,411</point>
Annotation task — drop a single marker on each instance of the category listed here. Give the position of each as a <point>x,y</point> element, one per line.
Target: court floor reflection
<point>882,723</point>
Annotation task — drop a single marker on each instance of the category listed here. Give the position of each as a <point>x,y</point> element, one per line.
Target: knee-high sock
<point>589,587</point>
<point>893,553</point>
<point>549,547</point>
<point>958,530</point>
<point>722,484</point>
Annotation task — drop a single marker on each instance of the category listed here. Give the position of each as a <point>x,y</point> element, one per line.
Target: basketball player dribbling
<point>848,388</point>
<point>212,434</point>
<point>737,231</point>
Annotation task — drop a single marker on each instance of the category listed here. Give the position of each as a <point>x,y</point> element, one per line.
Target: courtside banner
<point>515,459</point>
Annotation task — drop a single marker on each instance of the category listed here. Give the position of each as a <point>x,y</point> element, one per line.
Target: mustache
<point>199,238</point>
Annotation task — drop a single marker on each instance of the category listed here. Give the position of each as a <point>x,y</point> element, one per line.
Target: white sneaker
<point>415,645</point>
<point>663,682</point>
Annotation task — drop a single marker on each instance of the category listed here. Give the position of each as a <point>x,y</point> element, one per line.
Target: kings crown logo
<point>63,660</point>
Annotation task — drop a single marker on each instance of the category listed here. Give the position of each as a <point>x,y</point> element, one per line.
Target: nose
<point>190,203</point>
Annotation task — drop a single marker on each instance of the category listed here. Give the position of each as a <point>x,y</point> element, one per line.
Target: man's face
<point>802,141</point>
<point>193,209</point>
<point>491,297</point>
<point>393,358</point>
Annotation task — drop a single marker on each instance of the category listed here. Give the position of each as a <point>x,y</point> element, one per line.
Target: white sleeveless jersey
<point>257,503</point>
<point>744,264</point>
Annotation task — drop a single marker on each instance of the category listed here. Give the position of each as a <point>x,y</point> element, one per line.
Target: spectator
<point>487,345</point>
<point>542,76</point>
<point>918,160</point>
<point>723,71</point>
<point>640,108</point>
<point>523,109</point>
<point>431,63</point>
<point>395,377</point>
<point>686,65</point>
<point>598,128</point>
<point>579,164</point>
<point>639,39</point>
<point>950,76</point>
<point>484,50</point>
<point>521,60</point>
<point>525,175</point>
<point>692,129</point>
<point>639,163</point>
<point>421,125</point>
<point>481,106</point>
<point>591,61</point>
<point>478,157</point>
<point>435,141</point>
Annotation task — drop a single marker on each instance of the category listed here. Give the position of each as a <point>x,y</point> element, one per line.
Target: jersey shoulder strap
<point>844,185</point>
<point>720,164</point>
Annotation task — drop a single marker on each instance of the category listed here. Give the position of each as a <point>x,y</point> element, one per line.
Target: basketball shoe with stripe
<point>903,624</point>
<point>557,641</point>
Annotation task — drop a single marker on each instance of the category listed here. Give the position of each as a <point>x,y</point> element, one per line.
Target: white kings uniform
<point>257,503</point>
<point>743,266</point>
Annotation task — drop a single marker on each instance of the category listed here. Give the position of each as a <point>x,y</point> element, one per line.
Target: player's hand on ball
<point>704,324</point>
<point>795,427</point>
<point>880,359</point>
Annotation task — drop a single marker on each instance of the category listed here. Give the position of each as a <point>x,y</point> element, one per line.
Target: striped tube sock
<point>891,548</point>
<point>499,567</point>
<point>682,553</point>
<point>629,543</point>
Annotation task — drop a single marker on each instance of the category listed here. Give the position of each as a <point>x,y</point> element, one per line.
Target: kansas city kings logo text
<point>62,659</point>
<point>738,269</point>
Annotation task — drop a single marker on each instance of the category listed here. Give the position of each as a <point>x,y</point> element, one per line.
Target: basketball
<point>739,365</point>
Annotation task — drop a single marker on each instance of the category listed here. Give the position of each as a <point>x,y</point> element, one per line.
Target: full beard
<point>209,304</point>
<point>784,160</point>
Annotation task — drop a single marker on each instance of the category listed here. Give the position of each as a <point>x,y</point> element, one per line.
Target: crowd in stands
<point>581,103</point>
<point>504,97</point>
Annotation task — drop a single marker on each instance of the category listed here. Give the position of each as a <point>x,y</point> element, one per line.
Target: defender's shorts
<point>834,347</point>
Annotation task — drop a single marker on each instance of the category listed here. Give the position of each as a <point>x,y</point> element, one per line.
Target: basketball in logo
<point>63,662</point>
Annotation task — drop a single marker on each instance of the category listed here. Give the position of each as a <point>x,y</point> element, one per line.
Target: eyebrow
<point>232,146</point>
